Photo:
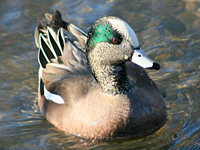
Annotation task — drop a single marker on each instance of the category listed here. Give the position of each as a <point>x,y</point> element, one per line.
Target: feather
<point>59,56</point>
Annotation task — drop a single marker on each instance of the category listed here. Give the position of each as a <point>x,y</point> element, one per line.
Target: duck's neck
<point>113,79</point>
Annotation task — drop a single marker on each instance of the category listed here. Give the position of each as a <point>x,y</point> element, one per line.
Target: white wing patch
<point>53,97</point>
<point>126,30</point>
<point>50,96</point>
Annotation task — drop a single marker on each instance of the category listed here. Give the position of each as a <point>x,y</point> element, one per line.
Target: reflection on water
<point>168,32</point>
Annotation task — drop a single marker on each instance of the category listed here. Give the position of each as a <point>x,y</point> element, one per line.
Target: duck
<point>95,85</point>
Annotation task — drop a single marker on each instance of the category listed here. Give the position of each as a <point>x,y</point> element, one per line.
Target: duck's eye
<point>116,41</point>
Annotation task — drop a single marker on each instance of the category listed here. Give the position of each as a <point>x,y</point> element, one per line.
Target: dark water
<point>169,32</point>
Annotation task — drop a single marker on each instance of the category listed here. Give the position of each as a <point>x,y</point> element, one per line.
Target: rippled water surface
<point>169,32</point>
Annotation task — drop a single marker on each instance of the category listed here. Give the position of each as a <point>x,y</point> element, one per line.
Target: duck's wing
<point>56,23</point>
<point>61,60</point>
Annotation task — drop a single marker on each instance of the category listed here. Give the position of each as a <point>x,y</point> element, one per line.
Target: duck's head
<point>112,41</point>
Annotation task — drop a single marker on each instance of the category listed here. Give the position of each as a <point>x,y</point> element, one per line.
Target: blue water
<point>168,31</point>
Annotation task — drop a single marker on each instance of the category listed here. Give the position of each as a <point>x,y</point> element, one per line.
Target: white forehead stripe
<point>126,30</point>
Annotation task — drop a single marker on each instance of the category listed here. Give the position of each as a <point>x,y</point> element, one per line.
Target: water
<point>169,32</point>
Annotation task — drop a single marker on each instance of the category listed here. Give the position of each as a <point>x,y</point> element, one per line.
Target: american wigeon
<point>95,86</point>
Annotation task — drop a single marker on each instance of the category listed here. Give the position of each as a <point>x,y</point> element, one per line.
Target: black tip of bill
<point>155,66</point>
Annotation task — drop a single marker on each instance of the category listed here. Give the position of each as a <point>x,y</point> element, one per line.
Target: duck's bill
<point>144,61</point>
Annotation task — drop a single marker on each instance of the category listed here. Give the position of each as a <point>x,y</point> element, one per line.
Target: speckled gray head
<point>113,41</point>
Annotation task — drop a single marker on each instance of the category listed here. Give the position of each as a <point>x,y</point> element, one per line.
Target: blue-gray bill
<point>142,60</point>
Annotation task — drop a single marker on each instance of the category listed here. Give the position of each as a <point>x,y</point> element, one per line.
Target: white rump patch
<point>126,30</point>
<point>53,97</point>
